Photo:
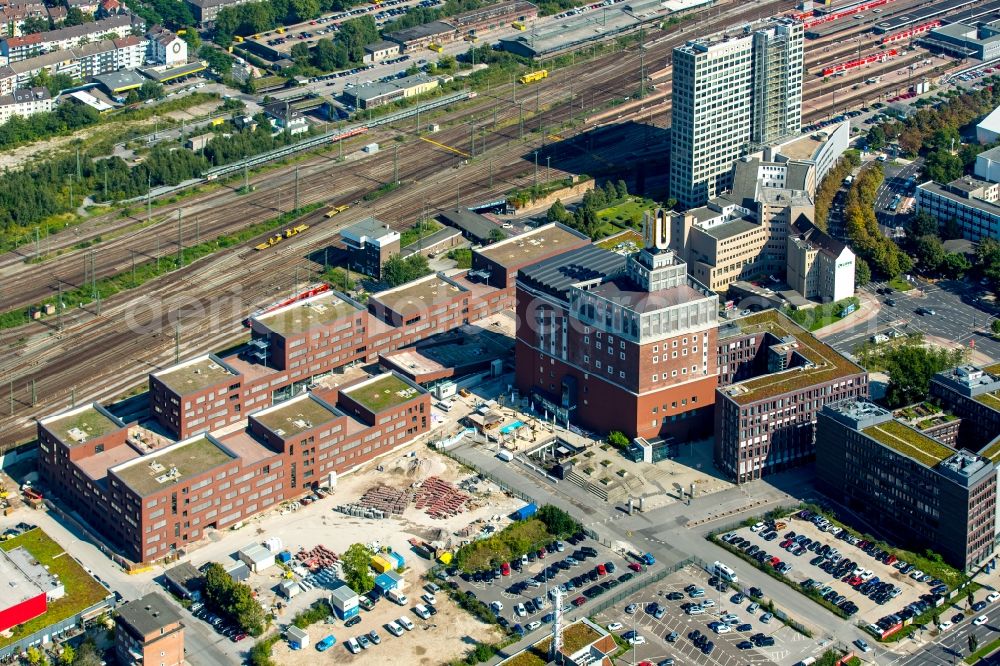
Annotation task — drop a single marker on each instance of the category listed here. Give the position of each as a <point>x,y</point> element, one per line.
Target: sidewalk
<point>870,307</point>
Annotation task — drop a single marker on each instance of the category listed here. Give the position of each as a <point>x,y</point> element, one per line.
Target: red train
<point>867,60</point>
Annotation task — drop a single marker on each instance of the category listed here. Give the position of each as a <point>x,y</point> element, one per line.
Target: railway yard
<point>102,350</point>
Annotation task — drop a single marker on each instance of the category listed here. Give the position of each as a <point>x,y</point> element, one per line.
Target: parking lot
<point>667,632</point>
<point>859,583</point>
<point>522,598</point>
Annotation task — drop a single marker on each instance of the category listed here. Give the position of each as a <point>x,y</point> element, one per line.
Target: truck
<point>396,597</point>
<point>505,455</point>
<point>525,512</point>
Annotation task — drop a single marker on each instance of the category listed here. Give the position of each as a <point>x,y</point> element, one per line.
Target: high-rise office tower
<point>731,94</point>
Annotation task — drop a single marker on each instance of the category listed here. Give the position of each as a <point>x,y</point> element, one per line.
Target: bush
<point>557,522</point>
<point>320,610</point>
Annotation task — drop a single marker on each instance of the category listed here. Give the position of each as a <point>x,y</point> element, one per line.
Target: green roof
<point>829,364</point>
<point>990,400</point>
<point>382,393</point>
<point>306,315</point>
<point>80,426</point>
<point>195,375</point>
<point>992,369</point>
<point>910,442</point>
<point>992,451</point>
<point>290,418</point>
<point>82,591</point>
<point>152,473</point>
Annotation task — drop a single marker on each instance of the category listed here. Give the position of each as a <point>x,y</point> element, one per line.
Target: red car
<point>579,601</point>
<point>541,553</point>
<point>505,569</point>
<point>774,561</point>
<point>601,571</point>
<point>635,566</point>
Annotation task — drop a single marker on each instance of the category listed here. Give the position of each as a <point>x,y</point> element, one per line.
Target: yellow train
<point>277,238</point>
<point>531,77</point>
<point>336,210</point>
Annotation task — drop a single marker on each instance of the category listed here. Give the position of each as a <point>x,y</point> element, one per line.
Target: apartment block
<point>731,94</point>
<point>149,631</point>
<point>15,49</point>
<point>973,394</point>
<point>205,11</point>
<point>24,103</point>
<point>819,266</point>
<point>619,343</point>
<point>915,490</point>
<point>774,378</point>
<point>93,59</point>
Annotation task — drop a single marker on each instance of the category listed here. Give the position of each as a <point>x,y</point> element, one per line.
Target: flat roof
<point>172,465</point>
<point>730,228</point>
<point>918,14</point>
<point>296,415</point>
<point>623,291</point>
<point>527,248</point>
<point>421,31</point>
<point>305,315</point>
<point>418,295</point>
<point>969,202</point>
<point>166,74</point>
<point>828,364</point>
<point>990,400</point>
<point>804,148</point>
<point>195,375</point>
<point>149,614</point>
<point>16,584</point>
<point>465,349</point>
<point>382,392</point>
<point>557,274</point>
<point>122,80</point>
<point>911,443</point>
<point>80,425</point>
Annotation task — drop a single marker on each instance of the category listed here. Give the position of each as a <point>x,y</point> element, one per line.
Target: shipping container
<point>380,564</point>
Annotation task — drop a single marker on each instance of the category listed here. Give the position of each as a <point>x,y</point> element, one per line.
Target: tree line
<point>64,119</point>
<point>233,601</point>
<point>584,218</point>
<point>255,17</point>
<point>867,240</point>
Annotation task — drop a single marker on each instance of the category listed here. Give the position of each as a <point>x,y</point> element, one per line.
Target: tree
<point>356,569</point>
<point>862,273</point>
<point>955,265</point>
<point>87,654</point>
<point>34,24</point>
<point>950,229</point>
<point>36,657</point>
<point>338,279</point>
<point>930,252</point>
<point>995,327</point>
<point>973,643</point>
<point>617,439</point>
<point>74,16</point>
<point>942,166</point>
<point>557,213</point>
<point>67,655</point>
<point>300,53</point>
<point>557,521</point>
<point>971,598</point>
<point>150,90</point>
<point>910,367</point>
<point>496,235</point>
<point>923,224</point>
<point>876,138</point>
<point>192,38</point>
<point>397,271</point>
<point>622,189</point>
<point>610,192</point>
<point>219,61</point>
<point>233,600</point>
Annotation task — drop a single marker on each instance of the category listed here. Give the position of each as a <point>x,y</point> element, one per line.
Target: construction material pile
<point>378,502</point>
<point>317,558</point>
<point>440,499</point>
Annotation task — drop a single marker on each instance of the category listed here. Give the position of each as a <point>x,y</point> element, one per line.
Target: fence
<point>502,485</point>
<point>54,630</point>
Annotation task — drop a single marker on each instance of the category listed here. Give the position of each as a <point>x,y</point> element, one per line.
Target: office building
<point>731,93</point>
<point>774,377</point>
<point>149,631</point>
<point>618,343</point>
<point>911,488</point>
<point>988,164</point>
<point>369,244</point>
<point>970,202</point>
<point>819,266</point>
<point>971,393</point>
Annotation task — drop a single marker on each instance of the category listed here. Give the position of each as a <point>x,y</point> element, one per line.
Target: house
<point>381,50</point>
<point>85,6</point>
<point>199,141</point>
<point>286,119</point>
<point>165,48</point>
<point>111,8</point>
<point>24,103</point>
<point>185,581</point>
<point>149,631</point>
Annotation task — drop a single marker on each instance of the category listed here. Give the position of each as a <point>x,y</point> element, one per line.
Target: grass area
<point>909,442</point>
<point>816,318</point>
<point>575,637</point>
<point>82,591</point>
<point>623,239</point>
<point>462,257</point>
<point>899,284</point>
<point>114,284</point>
<point>419,230</point>
<point>382,393</point>
<point>513,541</point>
<point>380,191</point>
<point>627,213</point>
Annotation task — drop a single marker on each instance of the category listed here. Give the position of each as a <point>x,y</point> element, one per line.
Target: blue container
<point>397,560</point>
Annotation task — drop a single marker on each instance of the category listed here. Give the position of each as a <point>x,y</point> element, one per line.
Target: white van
<point>421,611</point>
<point>352,645</point>
<point>505,455</point>
<point>405,623</point>
<point>497,607</point>
<point>394,628</point>
<point>724,572</point>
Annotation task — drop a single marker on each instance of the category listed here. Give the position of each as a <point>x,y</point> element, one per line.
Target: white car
<point>429,598</point>
<point>720,628</point>
<point>394,628</point>
<point>637,640</point>
<point>405,623</point>
<point>707,603</point>
<point>945,626</point>
<point>615,626</point>
<point>992,597</point>
<point>981,620</point>
<point>534,624</point>
<point>757,528</point>
<point>519,609</point>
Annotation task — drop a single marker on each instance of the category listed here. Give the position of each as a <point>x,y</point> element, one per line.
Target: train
<point>336,210</point>
<point>531,77</point>
<point>277,238</point>
<point>437,48</point>
<point>852,64</point>
<point>518,25</point>
<point>308,292</point>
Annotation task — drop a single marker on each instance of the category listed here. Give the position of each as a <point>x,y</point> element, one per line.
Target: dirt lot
<point>447,635</point>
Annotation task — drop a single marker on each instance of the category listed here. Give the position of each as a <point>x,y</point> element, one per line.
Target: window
<point>655,378</point>
<point>656,348</point>
<point>684,371</point>
<point>673,354</point>
<point>586,359</point>
<point>694,350</point>
<point>622,344</point>
<point>656,359</point>
<point>611,339</point>
<point>694,368</point>
<point>674,344</point>
<point>586,339</point>
<point>598,345</point>
<point>621,373</point>
<point>597,364</point>
<point>673,373</point>
<point>611,369</point>
<point>621,355</point>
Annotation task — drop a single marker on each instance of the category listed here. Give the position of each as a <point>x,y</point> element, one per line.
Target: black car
<point>755,593</point>
<point>675,596</point>
<point>745,645</point>
<point>694,635</point>
<point>353,621</point>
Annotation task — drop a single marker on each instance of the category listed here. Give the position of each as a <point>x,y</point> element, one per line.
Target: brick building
<point>774,378</point>
<point>149,631</point>
<point>912,488</point>
<point>369,244</point>
<point>618,343</point>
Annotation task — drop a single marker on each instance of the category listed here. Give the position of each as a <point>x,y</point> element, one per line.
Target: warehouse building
<point>380,93</point>
<point>494,16</point>
<point>914,489</point>
<point>420,36</point>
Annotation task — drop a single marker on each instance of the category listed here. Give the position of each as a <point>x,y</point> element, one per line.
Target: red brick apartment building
<point>148,632</point>
<point>228,437</point>
<point>619,343</point>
